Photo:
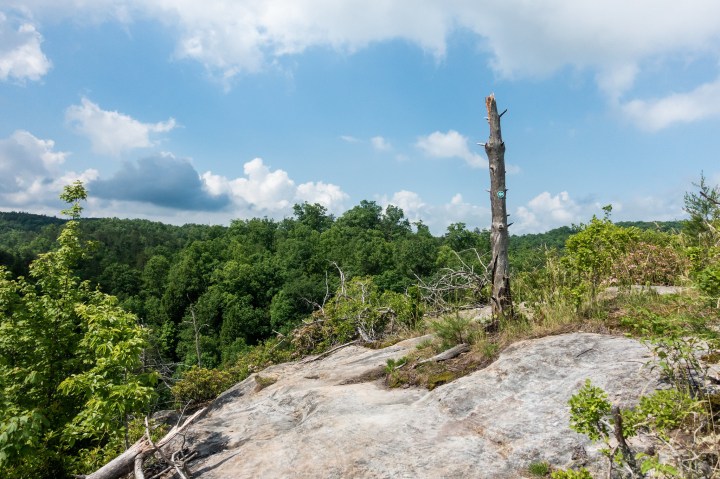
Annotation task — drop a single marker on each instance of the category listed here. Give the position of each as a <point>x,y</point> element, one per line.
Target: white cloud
<point>380,143</point>
<point>21,57</point>
<point>30,173</point>
<point>439,216</point>
<point>523,39</point>
<point>41,194</point>
<point>545,212</point>
<point>450,145</point>
<point>698,104</point>
<point>330,196</point>
<point>263,191</point>
<point>25,158</point>
<point>410,202</point>
<point>349,139</point>
<point>111,132</point>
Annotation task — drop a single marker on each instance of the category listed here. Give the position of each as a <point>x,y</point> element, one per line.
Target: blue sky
<point>203,112</point>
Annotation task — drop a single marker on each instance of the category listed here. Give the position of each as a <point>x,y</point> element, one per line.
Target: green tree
<point>69,358</point>
<point>703,207</point>
<point>590,252</point>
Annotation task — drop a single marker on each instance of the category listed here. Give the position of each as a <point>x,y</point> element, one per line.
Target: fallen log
<point>445,355</point>
<point>125,462</point>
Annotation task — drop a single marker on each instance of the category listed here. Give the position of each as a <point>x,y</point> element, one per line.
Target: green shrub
<point>199,385</point>
<point>708,280</point>
<point>540,469</point>
<point>589,408</point>
<point>571,474</point>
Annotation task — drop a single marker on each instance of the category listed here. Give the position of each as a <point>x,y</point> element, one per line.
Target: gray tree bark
<point>495,149</point>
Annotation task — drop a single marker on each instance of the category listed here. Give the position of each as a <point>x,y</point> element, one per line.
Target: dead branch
<point>711,200</point>
<point>468,279</point>
<point>138,470</point>
<point>445,355</point>
<point>125,462</point>
<point>328,352</point>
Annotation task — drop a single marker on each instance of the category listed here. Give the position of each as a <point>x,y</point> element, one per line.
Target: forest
<point>106,320</point>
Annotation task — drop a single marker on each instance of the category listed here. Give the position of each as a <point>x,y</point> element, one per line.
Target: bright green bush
<point>591,253</point>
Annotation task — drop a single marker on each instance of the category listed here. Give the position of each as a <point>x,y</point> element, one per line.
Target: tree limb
<point>445,355</point>
<point>125,462</point>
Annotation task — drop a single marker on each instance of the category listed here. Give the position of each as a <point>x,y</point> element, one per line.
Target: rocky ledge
<point>335,418</point>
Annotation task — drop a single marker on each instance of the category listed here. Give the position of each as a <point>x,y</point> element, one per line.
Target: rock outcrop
<point>334,418</point>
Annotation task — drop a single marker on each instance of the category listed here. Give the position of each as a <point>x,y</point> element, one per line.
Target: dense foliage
<point>212,304</point>
<point>70,370</point>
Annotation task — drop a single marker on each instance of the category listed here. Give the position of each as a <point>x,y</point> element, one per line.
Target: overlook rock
<point>333,418</point>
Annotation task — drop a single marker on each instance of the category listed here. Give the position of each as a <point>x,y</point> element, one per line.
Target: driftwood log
<point>126,462</point>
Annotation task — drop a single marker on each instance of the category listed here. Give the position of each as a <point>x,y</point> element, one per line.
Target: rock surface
<point>333,418</point>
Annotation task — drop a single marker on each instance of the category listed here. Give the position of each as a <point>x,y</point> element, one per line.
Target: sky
<point>184,111</point>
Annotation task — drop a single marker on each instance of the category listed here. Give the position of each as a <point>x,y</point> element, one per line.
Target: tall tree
<point>69,361</point>
<point>495,149</point>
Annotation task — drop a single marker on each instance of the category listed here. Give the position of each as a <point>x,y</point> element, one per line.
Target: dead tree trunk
<point>495,150</point>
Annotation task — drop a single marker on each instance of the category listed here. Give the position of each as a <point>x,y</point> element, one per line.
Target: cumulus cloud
<point>163,181</point>
<point>326,194</point>
<point>546,211</point>
<point>438,216</point>
<point>30,173</point>
<point>25,159</point>
<point>653,115</point>
<point>21,57</point>
<point>450,145</point>
<point>273,193</point>
<point>111,132</point>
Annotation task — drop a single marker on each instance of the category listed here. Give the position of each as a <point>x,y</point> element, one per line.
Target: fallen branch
<point>125,462</point>
<point>138,470</point>
<point>445,355</point>
<point>328,352</point>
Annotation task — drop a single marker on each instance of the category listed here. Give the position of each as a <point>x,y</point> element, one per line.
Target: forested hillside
<point>258,276</point>
<point>166,316</point>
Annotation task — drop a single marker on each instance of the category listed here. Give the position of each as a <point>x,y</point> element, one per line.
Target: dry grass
<point>605,316</point>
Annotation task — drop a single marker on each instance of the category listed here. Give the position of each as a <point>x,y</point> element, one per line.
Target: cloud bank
<point>615,41</point>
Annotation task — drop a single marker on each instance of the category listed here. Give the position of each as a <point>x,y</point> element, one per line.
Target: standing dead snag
<point>499,238</point>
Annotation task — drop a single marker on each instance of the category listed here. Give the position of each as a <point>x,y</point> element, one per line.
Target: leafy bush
<point>589,408</point>
<point>539,469</point>
<point>592,251</point>
<point>199,385</point>
<point>708,280</point>
<point>571,474</point>
<point>657,414</point>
